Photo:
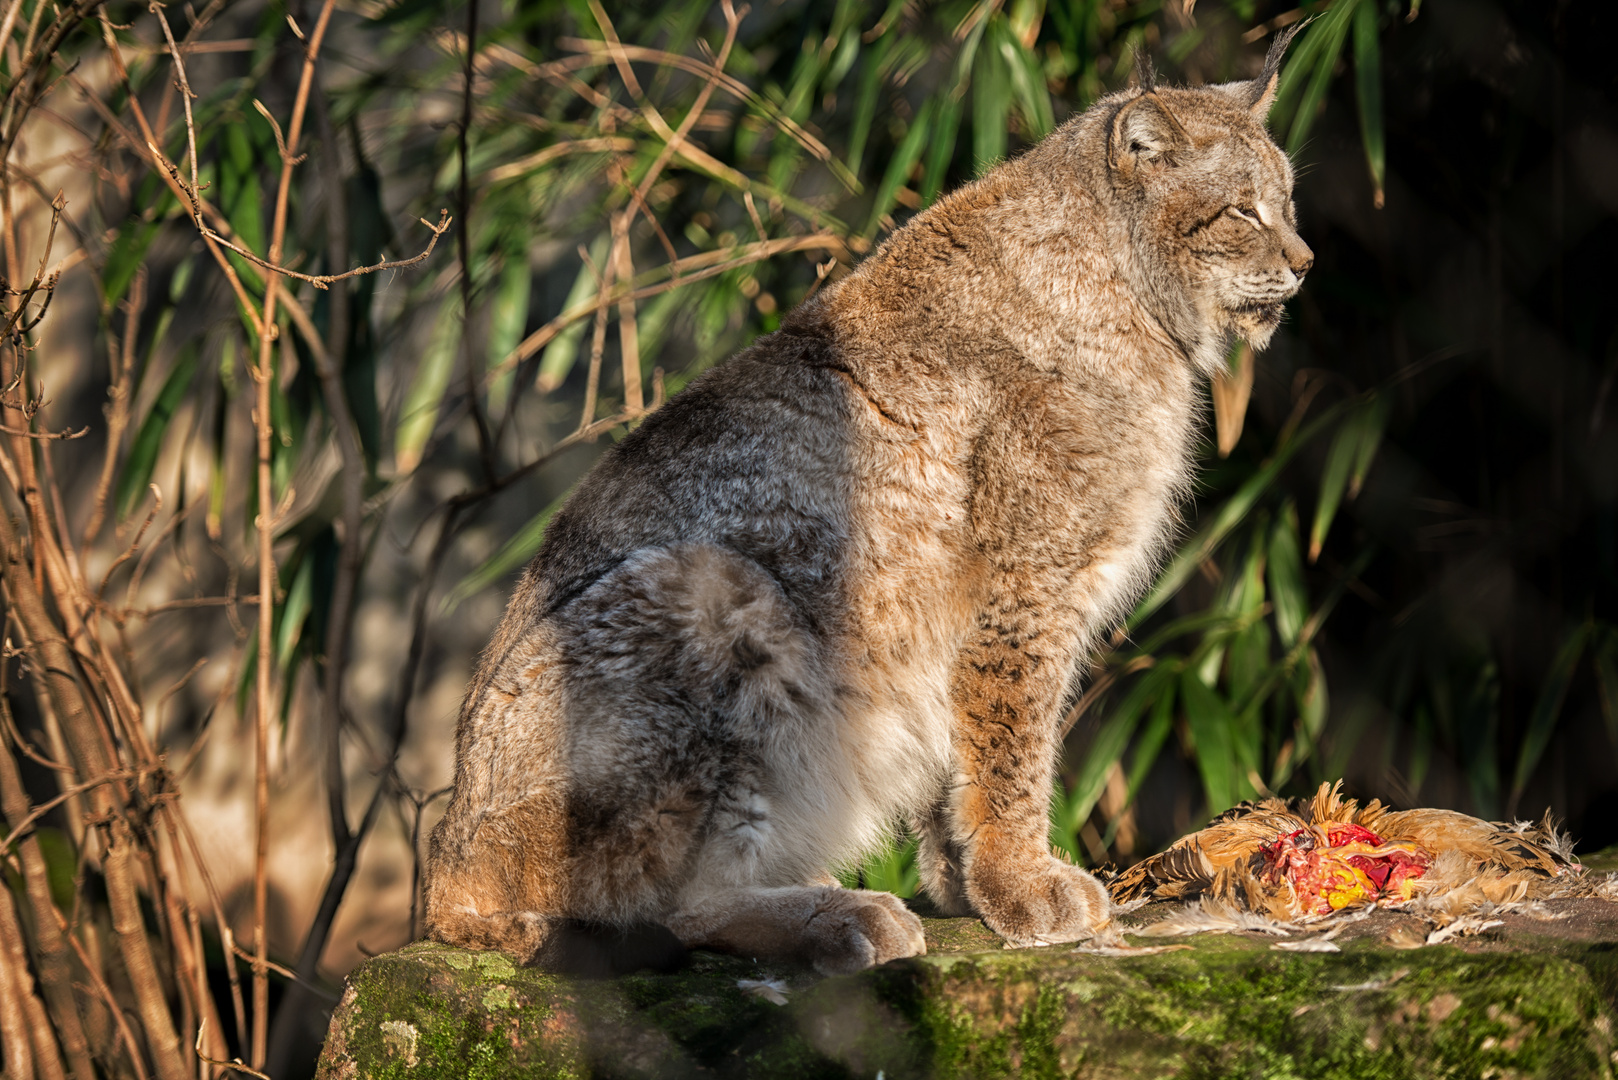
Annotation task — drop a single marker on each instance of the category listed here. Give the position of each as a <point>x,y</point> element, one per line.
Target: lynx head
<point>1209,198</point>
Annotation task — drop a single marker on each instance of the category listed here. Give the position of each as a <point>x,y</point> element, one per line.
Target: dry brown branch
<point>227,938</point>
<point>691,269</point>
<point>118,411</point>
<point>23,827</point>
<point>187,604</point>
<point>628,330</point>
<point>598,340</point>
<point>285,973</point>
<point>170,529</point>
<point>55,973</point>
<point>234,1064</point>
<point>324,281</point>
<point>146,147</point>
<point>134,545</point>
<point>46,436</point>
<point>29,749</point>
<point>524,165</point>
<point>266,583</point>
<point>185,90</point>
<point>595,52</point>
<point>180,684</point>
<point>104,992</point>
<point>16,984</point>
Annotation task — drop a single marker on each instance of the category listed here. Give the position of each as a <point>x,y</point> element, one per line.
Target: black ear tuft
<point>1145,73</point>
<point>1261,93</point>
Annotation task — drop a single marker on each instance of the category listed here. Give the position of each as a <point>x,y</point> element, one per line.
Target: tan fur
<point>849,577</point>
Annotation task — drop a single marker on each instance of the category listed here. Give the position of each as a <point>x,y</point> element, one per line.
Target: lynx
<point>848,578</point>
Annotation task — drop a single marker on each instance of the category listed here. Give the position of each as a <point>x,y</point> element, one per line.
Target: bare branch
<point>22,827</point>
<point>323,281</point>
<point>234,1064</point>
<point>45,435</point>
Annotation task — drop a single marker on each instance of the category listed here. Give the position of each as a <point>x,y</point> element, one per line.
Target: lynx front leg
<point>1007,693</point>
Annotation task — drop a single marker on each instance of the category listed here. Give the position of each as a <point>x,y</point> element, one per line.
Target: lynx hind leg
<point>491,887</point>
<point>838,931</point>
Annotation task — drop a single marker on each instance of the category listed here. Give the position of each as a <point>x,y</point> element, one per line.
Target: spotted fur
<point>848,578</point>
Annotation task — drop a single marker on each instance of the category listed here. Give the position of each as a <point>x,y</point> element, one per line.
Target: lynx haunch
<point>849,577</point>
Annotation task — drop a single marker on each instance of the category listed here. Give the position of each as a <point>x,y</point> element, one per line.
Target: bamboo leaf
<point>1373,421</point>
<point>127,252</point>
<point>1606,665</point>
<point>1547,707</point>
<point>1230,514</point>
<point>293,614</point>
<point>1368,93</point>
<point>904,156</point>
<point>1027,79</point>
<point>941,149</point>
<point>893,870</point>
<point>1334,481</point>
<point>420,413</point>
<point>991,103</point>
<point>143,451</point>
<point>870,86</point>
<point>563,351</point>
<point>1289,596</point>
<point>512,554</point>
<point>1331,31</point>
<point>507,320</point>
<point>1212,727</point>
<point>1148,745</point>
<point>1108,746</point>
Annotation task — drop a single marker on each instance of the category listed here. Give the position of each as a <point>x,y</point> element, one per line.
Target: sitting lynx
<point>849,577</point>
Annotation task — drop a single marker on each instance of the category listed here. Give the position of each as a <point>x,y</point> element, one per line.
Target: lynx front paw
<point>853,930</point>
<point>1048,902</point>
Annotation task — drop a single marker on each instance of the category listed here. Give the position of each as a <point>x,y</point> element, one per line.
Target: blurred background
<point>1400,566</point>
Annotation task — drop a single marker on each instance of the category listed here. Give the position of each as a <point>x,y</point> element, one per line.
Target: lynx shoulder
<point>847,578</point>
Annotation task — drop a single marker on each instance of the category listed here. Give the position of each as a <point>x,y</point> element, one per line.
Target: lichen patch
<point>400,1037</point>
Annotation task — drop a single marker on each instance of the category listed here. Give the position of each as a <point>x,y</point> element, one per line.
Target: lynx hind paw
<point>523,935</point>
<point>1057,903</point>
<point>852,930</point>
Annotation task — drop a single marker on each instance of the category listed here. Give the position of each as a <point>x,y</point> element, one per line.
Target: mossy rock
<point>1532,998</point>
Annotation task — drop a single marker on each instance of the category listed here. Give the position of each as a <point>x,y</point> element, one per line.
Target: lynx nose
<point>1299,258</point>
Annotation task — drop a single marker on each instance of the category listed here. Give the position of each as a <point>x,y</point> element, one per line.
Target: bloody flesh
<point>1337,864</point>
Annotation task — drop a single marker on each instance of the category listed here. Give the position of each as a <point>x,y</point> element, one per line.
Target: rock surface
<point>1532,997</point>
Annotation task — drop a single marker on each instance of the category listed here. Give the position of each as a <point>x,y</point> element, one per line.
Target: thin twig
<point>22,827</point>
<point>324,281</point>
<point>118,412</point>
<point>185,91</point>
<point>266,553</point>
<point>686,271</point>
<point>134,545</point>
<point>235,1064</point>
<point>192,602</point>
<point>131,1047</point>
<point>146,147</point>
<point>46,436</point>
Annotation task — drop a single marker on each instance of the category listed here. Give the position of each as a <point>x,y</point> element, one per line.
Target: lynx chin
<point>848,578</point>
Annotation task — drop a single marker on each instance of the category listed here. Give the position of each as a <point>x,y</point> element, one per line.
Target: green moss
<point>1228,1007</point>
<point>1604,861</point>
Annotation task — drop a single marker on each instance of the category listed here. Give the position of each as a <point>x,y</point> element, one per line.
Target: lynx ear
<point>1144,132</point>
<point>1261,91</point>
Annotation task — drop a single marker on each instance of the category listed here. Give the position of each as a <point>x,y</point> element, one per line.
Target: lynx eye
<point>1247,214</point>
